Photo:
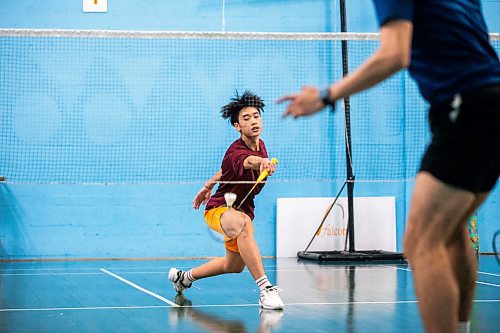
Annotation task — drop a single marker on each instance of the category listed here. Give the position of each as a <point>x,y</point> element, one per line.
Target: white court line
<point>44,274</point>
<point>165,272</point>
<point>81,268</point>
<point>222,305</point>
<point>89,308</point>
<point>269,268</point>
<point>45,269</point>
<point>161,298</point>
<point>75,269</point>
<point>489,284</point>
<point>489,274</point>
<point>479,282</point>
<point>80,273</point>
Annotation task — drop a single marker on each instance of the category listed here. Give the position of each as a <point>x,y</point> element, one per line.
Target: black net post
<point>347,110</point>
<point>352,255</point>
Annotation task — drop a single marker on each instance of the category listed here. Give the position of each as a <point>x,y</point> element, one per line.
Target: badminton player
<point>244,160</point>
<point>445,45</point>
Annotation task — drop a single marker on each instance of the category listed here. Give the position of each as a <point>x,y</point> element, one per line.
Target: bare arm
<point>206,191</point>
<point>392,56</point>
<point>213,181</point>
<point>259,163</point>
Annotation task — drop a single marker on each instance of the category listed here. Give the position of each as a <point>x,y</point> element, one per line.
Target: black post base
<point>346,256</point>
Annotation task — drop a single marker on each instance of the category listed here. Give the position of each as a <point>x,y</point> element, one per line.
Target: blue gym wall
<point>156,220</point>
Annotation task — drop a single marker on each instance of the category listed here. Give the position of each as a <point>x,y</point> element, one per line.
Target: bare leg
<point>464,262</point>
<point>231,263</point>
<point>436,213</point>
<point>235,262</point>
<point>464,265</point>
<point>249,251</point>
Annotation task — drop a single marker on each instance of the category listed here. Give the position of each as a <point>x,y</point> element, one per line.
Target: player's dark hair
<point>248,99</point>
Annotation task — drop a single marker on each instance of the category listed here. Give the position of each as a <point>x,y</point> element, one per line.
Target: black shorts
<point>465,147</point>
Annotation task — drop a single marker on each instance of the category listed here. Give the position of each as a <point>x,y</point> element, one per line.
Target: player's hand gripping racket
<point>262,175</point>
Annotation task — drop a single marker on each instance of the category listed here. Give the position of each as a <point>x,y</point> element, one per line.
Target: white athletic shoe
<point>176,276</point>
<point>270,299</point>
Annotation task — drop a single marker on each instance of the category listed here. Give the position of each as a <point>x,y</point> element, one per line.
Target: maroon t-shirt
<point>232,170</point>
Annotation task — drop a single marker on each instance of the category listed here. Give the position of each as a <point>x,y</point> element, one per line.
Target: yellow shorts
<point>212,217</point>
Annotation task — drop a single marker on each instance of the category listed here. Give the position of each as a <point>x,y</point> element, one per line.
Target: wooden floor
<point>135,296</point>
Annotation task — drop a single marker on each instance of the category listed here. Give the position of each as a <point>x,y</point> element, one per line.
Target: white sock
<point>188,277</point>
<point>263,282</point>
<point>464,326</point>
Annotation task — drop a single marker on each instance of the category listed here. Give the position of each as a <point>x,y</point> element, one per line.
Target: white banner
<point>299,218</point>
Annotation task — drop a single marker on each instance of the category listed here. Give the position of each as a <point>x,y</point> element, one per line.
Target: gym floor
<point>136,296</point>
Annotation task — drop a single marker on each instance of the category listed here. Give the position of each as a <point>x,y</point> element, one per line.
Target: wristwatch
<point>324,95</point>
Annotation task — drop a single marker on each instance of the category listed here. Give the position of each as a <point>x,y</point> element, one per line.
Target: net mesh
<point>388,124</point>
<point>134,108</point>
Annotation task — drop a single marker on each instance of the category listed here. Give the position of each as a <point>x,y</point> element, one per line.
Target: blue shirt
<point>450,50</point>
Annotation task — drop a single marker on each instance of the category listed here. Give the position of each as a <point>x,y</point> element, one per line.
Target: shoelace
<point>180,278</point>
<point>179,275</point>
<point>182,281</point>
<point>273,288</point>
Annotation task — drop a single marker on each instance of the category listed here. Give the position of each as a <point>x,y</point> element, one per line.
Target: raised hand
<point>304,103</point>
<point>202,197</point>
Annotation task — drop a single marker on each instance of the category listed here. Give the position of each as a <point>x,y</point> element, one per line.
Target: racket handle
<point>264,173</point>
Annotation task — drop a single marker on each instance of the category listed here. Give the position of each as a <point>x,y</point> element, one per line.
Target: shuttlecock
<point>230,198</point>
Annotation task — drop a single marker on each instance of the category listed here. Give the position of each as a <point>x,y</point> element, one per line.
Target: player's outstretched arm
<point>392,56</point>
<point>206,191</point>
<point>259,163</point>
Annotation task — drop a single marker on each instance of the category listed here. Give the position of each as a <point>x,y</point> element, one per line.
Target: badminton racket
<point>262,175</point>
